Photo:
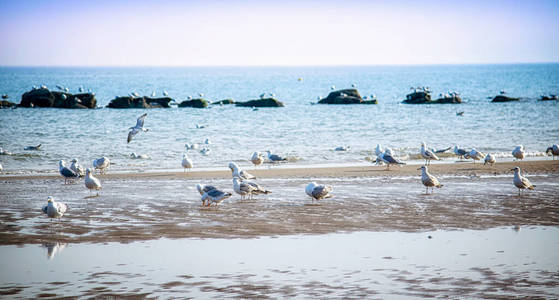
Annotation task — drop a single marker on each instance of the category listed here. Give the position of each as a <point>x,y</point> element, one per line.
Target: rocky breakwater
<point>347,96</point>
<point>43,97</point>
<point>503,98</point>
<point>140,102</point>
<point>196,103</point>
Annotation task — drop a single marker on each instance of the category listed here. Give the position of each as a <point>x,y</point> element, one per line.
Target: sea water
<point>304,132</point>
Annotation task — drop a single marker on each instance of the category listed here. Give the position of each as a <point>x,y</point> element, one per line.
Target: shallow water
<point>305,133</point>
<point>499,262</point>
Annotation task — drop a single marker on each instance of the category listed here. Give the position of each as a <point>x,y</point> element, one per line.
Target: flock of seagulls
<point>244,184</point>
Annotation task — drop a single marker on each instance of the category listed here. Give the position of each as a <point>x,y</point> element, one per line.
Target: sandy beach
<point>143,206</point>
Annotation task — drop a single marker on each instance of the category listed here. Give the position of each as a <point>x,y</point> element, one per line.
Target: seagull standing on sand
<point>489,159</point>
<point>238,172</point>
<point>428,180</point>
<point>247,188</point>
<point>186,162</point>
<point>257,158</point>
<point>214,196</point>
<point>66,172</point>
<point>518,152</point>
<point>136,129</point>
<point>520,181</point>
<point>554,149</point>
<point>102,164</point>
<point>460,152</point>
<point>427,154</point>
<point>476,155</point>
<point>389,159</point>
<point>54,209</point>
<point>91,182</point>
<point>77,168</point>
<point>318,192</point>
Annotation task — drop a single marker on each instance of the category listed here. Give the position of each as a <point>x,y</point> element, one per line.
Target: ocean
<point>305,133</point>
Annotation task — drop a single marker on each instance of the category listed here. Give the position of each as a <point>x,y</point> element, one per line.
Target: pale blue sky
<point>185,33</point>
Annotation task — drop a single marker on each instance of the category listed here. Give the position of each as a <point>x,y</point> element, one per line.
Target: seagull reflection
<point>54,248</point>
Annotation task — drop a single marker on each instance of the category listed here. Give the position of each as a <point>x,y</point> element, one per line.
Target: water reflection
<point>54,248</point>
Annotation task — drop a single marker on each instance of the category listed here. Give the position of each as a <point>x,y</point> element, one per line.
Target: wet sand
<point>148,206</point>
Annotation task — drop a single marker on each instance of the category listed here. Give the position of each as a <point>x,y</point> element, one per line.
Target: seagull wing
<point>45,209</point>
<point>321,191</point>
<point>140,121</point>
<point>527,183</point>
<point>61,207</point>
<point>132,133</point>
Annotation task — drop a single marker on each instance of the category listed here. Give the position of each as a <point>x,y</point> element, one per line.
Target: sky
<point>277,33</point>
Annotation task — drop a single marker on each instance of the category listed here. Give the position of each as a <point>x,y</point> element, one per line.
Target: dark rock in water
<point>5,96</point>
<point>159,102</point>
<point>548,98</point>
<point>6,104</point>
<point>140,102</point>
<point>502,98</point>
<point>347,96</point>
<point>424,97</point>
<point>45,98</point>
<point>224,102</point>
<point>264,102</point>
<point>196,103</point>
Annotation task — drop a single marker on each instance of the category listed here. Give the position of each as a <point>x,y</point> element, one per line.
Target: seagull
<point>77,168</point>
<point>207,142</point>
<point>1,168</point>
<point>80,89</point>
<point>102,164</point>
<point>475,155</point>
<point>554,149</point>
<point>262,95</point>
<point>135,94</point>
<point>318,192</point>
<point>136,129</point>
<point>274,158</point>
<point>460,113</point>
<point>342,148</point>
<point>378,150</point>
<point>200,126</point>
<point>256,158</point>
<point>204,188</point>
<point>214,196</point>
<point>91,182</point>
<point>153,94</point>
<point>65,171</point>
<point>54,209</point>
<point>489,159</point>
<point>138,156</point>
<point>205,151</point>
<point>428,180</point>
<point>520,181</point>
<point>33,147</point>
<point>459,152</point>
<point>4,152</point>
<point>333,87</point>
<point>194,146</point>
<point>186,162</point>
<point>427,154</point>
<point>165,93</point>
<point>387,158</point>
<point>518,152</point>
<point>238,172</point>
<point>247,188</point>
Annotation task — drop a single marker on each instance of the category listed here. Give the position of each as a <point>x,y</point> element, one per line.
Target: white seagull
<point>186,162</point>
<point>427,154</point>
<point>139,127</point>
<point>318,192</point>
<point>66,172</point>
<point>54,209</point>
<point>77,168</point>
<point>520,181</point>
<point>428,180</point>
<point>554,149</point>
<point>1,168</point>
<point>257,158</point>
<point>247,188</point>
<point>4,152</point>
<point>489,159</point>
<point>91,182</point>
<point>274,158</point>
<point>389,159</point>
<point>214,196</point>
<point>475,155</point>
<point>139,156</point>
<point>238,172</point>
<point>102,164</point>
<point>518,152</point>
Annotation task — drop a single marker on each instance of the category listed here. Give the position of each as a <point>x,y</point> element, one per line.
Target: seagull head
<point>233,166</point>
<point>50,199</point>
<point>75,160</point>
<point>423,168</point>
<point>515,169</point>
<point>199,187</point>
<point>88,171</point>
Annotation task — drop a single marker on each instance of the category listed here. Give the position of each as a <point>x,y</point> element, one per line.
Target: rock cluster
<point>44,97</point>
<point>347,96</point>
<point>140,102</point>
